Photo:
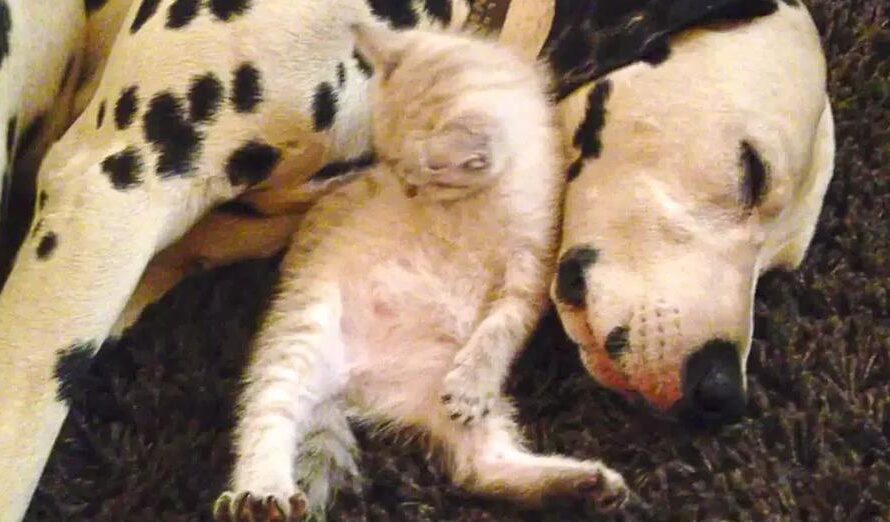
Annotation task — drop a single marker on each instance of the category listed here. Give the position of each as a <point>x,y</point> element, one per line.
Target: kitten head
<point>448,109</point>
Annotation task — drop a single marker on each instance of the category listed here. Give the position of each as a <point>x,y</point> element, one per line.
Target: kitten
<point>408,292</point>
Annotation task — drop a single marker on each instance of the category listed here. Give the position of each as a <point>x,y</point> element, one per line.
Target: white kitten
<point>408,293</point>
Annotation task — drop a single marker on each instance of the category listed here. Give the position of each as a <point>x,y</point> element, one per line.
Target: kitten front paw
<point>246,507</point>
<point>469,395</point>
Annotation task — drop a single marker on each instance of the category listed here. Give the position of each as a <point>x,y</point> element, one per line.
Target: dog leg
<point>220,238</point>
<point>80,261</point>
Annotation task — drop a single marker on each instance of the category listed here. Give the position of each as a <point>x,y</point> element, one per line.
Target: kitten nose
<point>713,391</point>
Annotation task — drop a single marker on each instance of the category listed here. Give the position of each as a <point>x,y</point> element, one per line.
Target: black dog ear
<point>595,42</point>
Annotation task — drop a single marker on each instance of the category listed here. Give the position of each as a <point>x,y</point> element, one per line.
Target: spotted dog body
<point>191,104</point>
<point>161,141</point>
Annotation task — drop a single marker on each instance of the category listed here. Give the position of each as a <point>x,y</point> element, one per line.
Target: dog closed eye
<point>755,179</point>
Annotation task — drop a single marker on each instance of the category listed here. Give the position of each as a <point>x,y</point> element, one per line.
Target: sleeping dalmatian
<point>681,199</point>
<point>200,128</point>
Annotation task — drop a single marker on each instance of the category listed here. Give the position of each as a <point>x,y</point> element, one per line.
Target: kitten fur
<point>408,292</point>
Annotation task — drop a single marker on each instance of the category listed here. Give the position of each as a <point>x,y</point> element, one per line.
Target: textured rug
<point>148,438</point>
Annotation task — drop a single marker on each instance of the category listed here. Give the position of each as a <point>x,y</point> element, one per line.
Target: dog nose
<point>713,391</point>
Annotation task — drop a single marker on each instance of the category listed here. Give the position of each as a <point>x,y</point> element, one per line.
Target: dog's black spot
<point>100,114</point>
<point>66,73</point>
<point>341,74</point>
<point>617,342</point>
<point>125,108</point>
<point>11,128</point>
<point>240,208</point>
<point>247,92</point>
<point>205,97</point>
<point>5,28</point>
<point>587,136</point>
<point>226,10</point>
<point>93,5</point>
<point>173,137</point>
<point>340,168</point>
<point>574,169</point>
<point>41,200</point>
<point>363,65</point>
<point>439,9</point>
<point>398,13</point>
<point>47,245</point>
<point>123,168</point>
<point>755,177</point>
<point>571,286</point>
<point>659,54</point>
<point>792,3</point>
<point>181,13</point>
<point>146,10</point>
<point>324,106</point>
<point>72,365</point>
<point>252,163</point>
<point>30,135</point>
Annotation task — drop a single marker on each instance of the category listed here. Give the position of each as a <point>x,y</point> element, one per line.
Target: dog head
<point>689,178</point>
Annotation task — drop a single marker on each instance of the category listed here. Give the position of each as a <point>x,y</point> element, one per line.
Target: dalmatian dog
<point>200,128</point>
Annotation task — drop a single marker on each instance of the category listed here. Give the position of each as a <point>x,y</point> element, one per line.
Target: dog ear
<point>381,46</point>
<point>465,142</point>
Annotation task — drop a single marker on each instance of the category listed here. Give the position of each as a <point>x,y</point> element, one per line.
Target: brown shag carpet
<point>148,439</point>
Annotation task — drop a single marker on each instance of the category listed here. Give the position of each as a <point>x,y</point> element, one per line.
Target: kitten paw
<point>245,507</point>
<point>469,395</point>
<point>605,489</point>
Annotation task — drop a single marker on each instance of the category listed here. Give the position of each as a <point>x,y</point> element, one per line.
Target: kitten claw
<point>606,489</point>
<point>244,507</point>
<point>469,396</point>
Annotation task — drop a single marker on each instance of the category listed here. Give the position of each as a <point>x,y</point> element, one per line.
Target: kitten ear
<point>380,45</point>
<point>465,142</point>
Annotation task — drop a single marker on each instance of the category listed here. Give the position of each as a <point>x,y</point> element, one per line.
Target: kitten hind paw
<point>245,507</point>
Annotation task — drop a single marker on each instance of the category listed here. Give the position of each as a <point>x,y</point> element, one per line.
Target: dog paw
<point>605,489</point>
<point>245,507</point>
<point>469,395</point>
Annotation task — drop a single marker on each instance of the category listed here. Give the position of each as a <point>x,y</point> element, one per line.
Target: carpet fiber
<point>148,438</point>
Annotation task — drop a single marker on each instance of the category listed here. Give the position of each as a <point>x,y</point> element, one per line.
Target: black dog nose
<point>713,391</point>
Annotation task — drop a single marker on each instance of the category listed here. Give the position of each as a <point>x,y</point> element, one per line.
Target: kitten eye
<point>475,163</point>
<point>436,167</point>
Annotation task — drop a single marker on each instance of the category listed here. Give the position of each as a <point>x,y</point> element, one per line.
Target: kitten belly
<point>404,320</point>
